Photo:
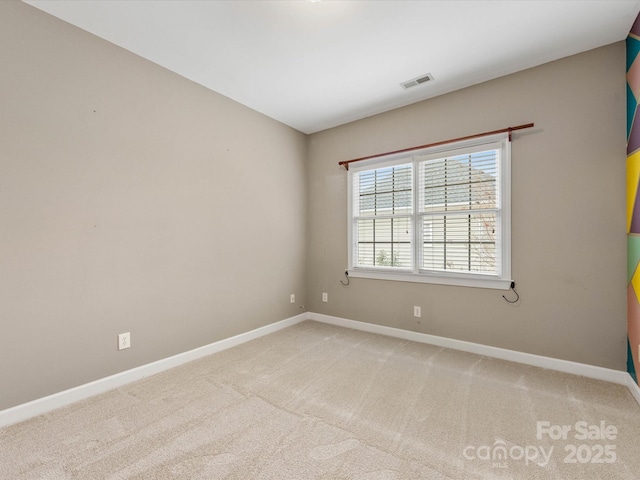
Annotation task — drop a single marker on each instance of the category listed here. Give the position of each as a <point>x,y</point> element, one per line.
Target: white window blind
<point>384,217</point>
<point>438,215</point>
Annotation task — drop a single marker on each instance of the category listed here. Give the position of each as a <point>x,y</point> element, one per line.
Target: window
<point>438,215</point>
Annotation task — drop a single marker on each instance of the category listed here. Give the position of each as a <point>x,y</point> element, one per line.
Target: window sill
<point>478,281</point>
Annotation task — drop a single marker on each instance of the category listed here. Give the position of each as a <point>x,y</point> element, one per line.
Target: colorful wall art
<point>633,201</point>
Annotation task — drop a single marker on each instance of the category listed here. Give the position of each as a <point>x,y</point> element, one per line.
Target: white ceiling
<point>317,64</point>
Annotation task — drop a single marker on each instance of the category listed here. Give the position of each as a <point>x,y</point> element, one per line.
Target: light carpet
<point>316,401</point>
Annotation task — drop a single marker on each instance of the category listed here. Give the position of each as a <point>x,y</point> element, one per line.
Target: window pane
<point>385,191</point>
<point>383,230</point>
<point>402,231</point>
<point>366,230</point>
<point>386,256</point>
<point>385,242</point>
<point>461,242</point>
<point>457,225</point>
<point>365,255</point>
<point>403,255</point>
<point>463,182</point>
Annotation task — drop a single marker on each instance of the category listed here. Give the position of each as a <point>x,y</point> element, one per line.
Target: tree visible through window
<point>434,214</point>
<point>459,212</point>
<point>385,200</point>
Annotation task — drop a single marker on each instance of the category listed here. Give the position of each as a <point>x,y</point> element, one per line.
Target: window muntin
<point>437,215</point>
<point>459,211</point>
<point>384,220</point>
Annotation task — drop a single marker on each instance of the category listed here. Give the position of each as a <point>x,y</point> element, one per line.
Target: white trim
<point>590,371</point>
<point>46,404</point>
<point>460,280</point>
<point>633,388</point>
<point>500,279</point>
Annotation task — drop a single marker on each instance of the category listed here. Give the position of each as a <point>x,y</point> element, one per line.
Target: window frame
<point>502,279</point>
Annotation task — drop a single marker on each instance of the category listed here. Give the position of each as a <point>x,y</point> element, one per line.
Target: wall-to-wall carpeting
<point>325,402</point>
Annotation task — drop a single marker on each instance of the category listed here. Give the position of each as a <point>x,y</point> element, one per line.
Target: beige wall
<point>132,199</point>
<point>568,218</point>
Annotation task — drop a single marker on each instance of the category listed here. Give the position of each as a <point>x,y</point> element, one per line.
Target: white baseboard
<point>590,371</point>
<point>46,404</point>
<point>633,388</point>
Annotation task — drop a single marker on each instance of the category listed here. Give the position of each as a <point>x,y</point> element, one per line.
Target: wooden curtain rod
<point>346,163</point>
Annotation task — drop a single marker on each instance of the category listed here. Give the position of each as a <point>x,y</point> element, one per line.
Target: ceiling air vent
<point>414,82</point>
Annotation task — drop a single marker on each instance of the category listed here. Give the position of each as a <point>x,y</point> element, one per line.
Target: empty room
<point>370,240</point>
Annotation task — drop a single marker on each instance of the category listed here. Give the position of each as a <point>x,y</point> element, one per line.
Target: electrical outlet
<point>417,311</point>
<point>325,297</point>
<point>292,299</point>
<point>124,340</point>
